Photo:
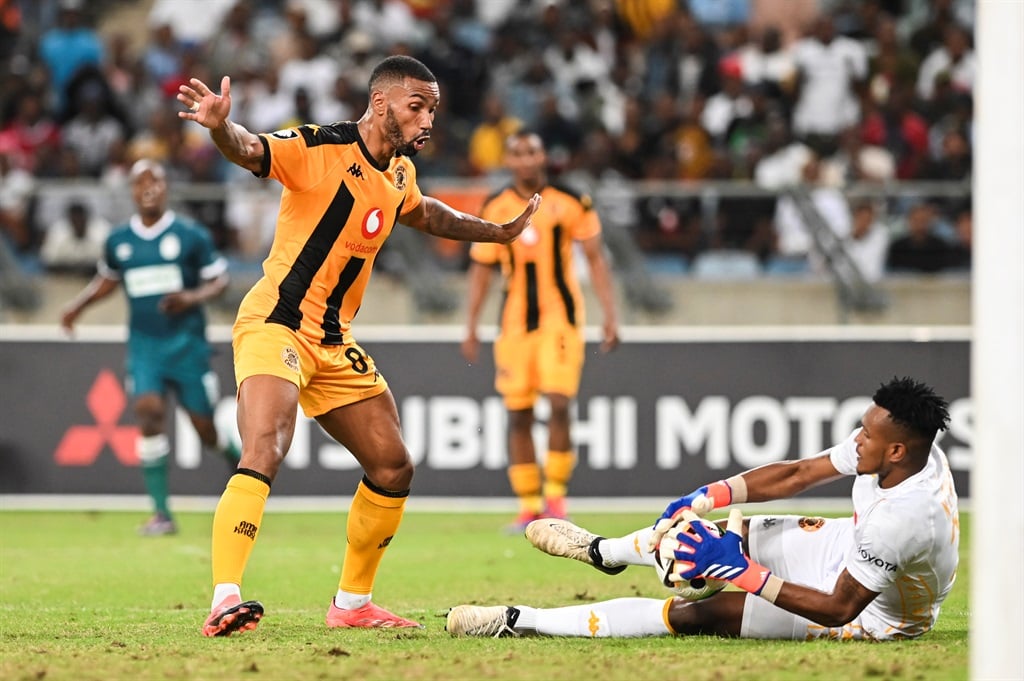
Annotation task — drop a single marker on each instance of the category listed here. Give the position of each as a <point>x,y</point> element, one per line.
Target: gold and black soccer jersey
<point>540,282</point>
<point>337,208</point>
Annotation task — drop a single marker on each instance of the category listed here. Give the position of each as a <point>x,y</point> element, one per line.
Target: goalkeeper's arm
<point>723,558</point>
<point>848,598</point>
<point>779,480</point>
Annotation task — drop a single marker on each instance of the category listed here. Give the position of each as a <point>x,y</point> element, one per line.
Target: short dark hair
<point>913,406</point>
<point>397,68</point>
<point>522,133</point>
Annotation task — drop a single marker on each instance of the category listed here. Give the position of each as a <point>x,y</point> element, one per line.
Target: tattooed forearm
<point>238,145</point>
<point>442,220</point>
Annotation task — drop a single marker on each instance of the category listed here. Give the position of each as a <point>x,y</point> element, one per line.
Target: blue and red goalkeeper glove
<point>721,557</point>
<point>700,501</point>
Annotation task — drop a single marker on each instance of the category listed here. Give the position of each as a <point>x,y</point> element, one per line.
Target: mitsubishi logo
<point>82,444</point>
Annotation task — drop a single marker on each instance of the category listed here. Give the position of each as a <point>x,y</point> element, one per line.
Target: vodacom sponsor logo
<point>81,444</point>
<point>373,221</point>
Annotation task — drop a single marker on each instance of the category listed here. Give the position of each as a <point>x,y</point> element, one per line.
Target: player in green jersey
<point>168,268</point>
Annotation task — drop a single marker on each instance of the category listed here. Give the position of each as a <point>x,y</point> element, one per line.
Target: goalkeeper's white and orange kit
<point>901,542</point>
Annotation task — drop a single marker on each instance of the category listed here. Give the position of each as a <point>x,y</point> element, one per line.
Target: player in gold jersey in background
<point>346,185</point>
<point>540,348</point>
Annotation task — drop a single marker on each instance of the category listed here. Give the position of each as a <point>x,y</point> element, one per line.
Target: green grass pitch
<point>82,597</point>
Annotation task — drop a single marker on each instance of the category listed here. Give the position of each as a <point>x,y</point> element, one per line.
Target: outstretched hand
<point>205,107</point>
<point>513,229</point>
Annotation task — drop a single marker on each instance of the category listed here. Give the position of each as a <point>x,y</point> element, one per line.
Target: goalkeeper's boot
<point>496,621</point>
<point>233,615</point>
<point>559,537</point>
<point>369,616</point>
<point>158,526</point>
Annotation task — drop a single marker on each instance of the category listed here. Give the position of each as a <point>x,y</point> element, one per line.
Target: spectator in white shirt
<point>868,243</point>
<point>728,104</point>
<point>832,69</point>
<point>311,71</point>
<point>74,243</point>
<point>795,237</point>
<point>16,188</point>
<point>769,63</point>
<point>93,132</point>
<point>783,162</point>
<point>955,59</point>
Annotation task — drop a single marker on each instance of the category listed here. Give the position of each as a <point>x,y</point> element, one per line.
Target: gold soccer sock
<point>236,524</point>
<point>557,472</point>
<point>525,481</point>
<point>373,520</point>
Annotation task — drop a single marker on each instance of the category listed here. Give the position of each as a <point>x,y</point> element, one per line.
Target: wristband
<point>726,492</point>
<point>771,588</point>
<point>753,579</point>
<point>738,485</point>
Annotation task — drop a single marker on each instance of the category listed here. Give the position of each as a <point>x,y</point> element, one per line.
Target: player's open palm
<point>205,106</point>
<point>516,227</point>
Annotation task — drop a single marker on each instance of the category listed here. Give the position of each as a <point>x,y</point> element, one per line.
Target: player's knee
<point>520,419</point>
<point>392,473</point>
<point>149,413</point>
<point>719,615</point>
<point>559,404</point>
<point>684,618</point>
<point>205,430</point>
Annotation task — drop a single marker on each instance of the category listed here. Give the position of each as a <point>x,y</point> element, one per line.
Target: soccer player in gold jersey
<point>540,348</point>
<point>346,185</point>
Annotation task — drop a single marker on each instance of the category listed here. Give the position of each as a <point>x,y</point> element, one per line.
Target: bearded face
<point>393,134</point>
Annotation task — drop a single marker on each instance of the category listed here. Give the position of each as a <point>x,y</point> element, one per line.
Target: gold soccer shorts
<point>328,376</point>
<point>548,360</point>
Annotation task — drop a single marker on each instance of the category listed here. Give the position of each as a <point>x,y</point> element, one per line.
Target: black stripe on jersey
<point>338,133</point>
<point>310,259</point>
<point>264,170</point>
<point>398,212</point>
<point>563,286</point>
<point>332,319</point>
<point>332,325</point>
<point>584,199</point>
<point>532,303</point>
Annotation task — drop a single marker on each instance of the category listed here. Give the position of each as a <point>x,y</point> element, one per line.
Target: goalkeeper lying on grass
<point>880,574</point>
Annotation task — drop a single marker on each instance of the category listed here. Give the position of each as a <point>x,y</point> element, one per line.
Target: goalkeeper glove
<point>701,501</point>
<point>714,557</point>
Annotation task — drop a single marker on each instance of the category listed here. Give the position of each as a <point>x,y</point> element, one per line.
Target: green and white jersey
<point>174,254</point>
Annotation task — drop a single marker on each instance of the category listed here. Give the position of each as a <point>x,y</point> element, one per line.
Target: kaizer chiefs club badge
<point>400,176</point>
<point>290,358</point>
<point>811,524</point>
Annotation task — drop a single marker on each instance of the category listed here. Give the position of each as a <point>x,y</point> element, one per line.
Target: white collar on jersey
<point>154,230</point>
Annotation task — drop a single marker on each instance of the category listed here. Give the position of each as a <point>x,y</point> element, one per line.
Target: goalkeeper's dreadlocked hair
<point>913,406</point>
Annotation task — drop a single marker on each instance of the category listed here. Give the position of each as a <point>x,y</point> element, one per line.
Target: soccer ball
<point>695,589</point>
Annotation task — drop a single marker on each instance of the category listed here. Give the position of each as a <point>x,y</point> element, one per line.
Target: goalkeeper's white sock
<point>618,618</point>
<point>628,550</point>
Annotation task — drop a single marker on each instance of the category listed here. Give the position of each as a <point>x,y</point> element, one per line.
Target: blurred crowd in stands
<point>824,95</point>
